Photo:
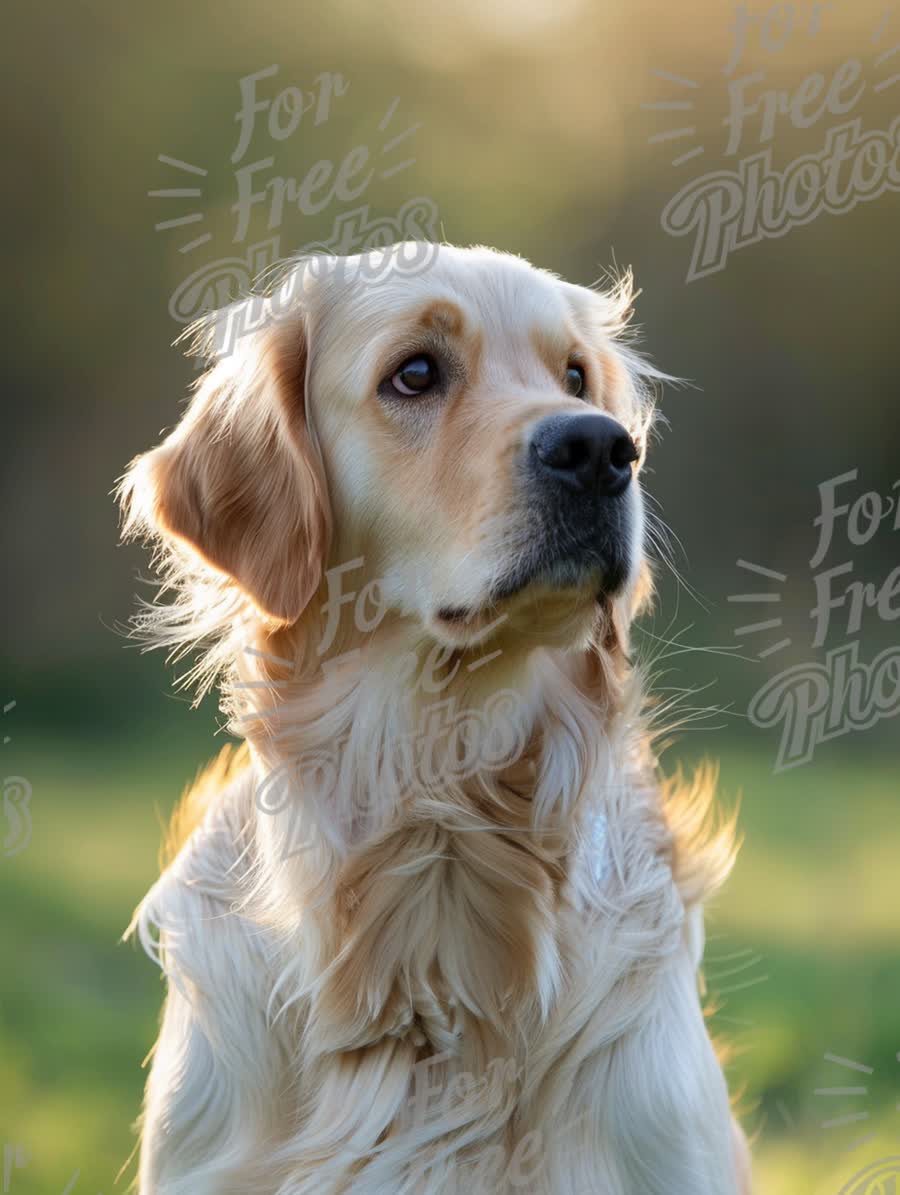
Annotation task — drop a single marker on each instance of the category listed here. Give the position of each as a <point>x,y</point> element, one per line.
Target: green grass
<point>802,959</point>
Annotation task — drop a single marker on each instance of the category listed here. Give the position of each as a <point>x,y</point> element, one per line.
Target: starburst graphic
<point>386,170</point>
<point>10,705</point>
<point>391,145</point>
<point>681,105</point>
<point>182,193</point>
<point>15,1157</point>
<point>686,87</point>
<point>887,55</point>
<point>850,1089</point>
<point>766,598</point>
<point>70,1186</point>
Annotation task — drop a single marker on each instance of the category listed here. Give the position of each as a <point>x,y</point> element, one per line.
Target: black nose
<point>591,453</point>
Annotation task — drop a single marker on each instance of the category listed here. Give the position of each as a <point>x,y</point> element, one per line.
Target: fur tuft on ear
<point>239,483</point>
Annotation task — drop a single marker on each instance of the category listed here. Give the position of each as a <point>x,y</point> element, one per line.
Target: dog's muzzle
<point>577,473</point>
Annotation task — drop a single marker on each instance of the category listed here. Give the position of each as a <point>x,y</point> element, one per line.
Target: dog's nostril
<point>624,451</point>
<point>584,452</point>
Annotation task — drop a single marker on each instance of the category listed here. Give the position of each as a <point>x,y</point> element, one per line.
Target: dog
<point>436,926</point>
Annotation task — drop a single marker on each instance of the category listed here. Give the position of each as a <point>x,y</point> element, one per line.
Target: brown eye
<point>415,376</point>
<point>575,380</point>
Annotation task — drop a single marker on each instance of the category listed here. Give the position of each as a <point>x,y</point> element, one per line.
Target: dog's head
<point>473,433</point>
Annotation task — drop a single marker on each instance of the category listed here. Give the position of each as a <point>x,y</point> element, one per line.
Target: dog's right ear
<point>240,481</point>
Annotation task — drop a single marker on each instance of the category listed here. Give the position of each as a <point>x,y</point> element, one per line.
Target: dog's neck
<point>387,727</point>
<point>428,814</point>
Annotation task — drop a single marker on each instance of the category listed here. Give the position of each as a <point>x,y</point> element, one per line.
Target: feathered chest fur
<point>439,970</point>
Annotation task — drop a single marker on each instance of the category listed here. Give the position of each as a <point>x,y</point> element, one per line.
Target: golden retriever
<point>436,927</point>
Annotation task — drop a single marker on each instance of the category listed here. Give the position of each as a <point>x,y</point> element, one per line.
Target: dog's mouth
<point>562,565</point>
<point>595,571</point>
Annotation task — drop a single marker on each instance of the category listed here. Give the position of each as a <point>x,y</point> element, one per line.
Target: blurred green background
<point>535,128</point>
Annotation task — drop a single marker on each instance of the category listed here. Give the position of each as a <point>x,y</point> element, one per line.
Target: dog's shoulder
<point>207,856</point>
<point>210,786</point>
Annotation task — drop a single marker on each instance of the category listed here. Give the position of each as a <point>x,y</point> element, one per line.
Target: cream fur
<point>392,973</point>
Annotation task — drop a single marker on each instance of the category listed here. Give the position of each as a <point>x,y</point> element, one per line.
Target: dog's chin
<point>555,607</point>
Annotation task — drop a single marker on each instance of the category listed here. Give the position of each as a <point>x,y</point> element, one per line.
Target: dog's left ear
<point>239,481</point>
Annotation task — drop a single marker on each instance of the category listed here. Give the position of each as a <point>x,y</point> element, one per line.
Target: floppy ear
<point>239,481</point>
